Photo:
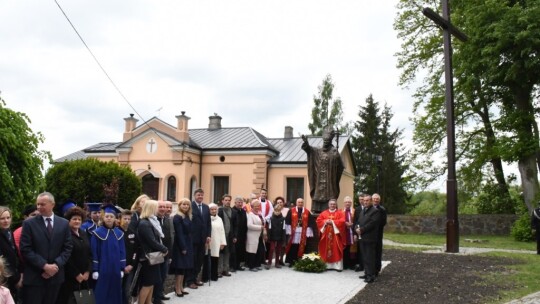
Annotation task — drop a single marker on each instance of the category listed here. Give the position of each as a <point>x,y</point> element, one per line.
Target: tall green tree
<point>497,73</point>
<point>327,111</point>
<point>21,161</point>
<point>91,180</point>
<point>378,156</point>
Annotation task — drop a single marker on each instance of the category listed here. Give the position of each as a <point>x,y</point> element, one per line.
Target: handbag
<point>156,257</point>
<point>83,296</point>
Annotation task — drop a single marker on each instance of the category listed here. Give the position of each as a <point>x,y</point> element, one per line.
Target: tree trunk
<point>495,158</point>
<point>524,129</point>
<point>529,180</point>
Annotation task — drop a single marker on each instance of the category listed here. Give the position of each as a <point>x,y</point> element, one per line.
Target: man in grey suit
<point>46,247</point>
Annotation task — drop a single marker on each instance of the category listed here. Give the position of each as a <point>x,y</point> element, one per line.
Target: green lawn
<point>524,276</point>
<point>501,242</point>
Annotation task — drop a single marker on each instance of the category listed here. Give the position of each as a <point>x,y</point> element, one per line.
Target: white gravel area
<point>283,285</point>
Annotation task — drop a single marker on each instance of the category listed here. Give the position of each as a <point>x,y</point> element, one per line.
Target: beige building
<point>172,161</point>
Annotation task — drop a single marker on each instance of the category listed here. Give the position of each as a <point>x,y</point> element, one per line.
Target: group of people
<point>351,238</point>
<point>50,257</point>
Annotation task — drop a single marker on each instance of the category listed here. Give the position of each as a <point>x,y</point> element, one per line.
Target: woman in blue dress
<point>182,256</point>
<point>108,258</point>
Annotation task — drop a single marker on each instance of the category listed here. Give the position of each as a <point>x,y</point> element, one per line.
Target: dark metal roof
<point>73,156</point>
<point>290,150</point>
<point>102,147</point>
<point>230,139</point>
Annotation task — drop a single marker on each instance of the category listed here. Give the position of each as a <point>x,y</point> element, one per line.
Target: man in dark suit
<point>201,230</point>
<point>368,233</point>
<point>46,247</point>
<point>239,234</point>
<point>378,253</point>
<point>535,225</point>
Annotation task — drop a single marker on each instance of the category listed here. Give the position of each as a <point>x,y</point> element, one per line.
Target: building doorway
<point>150,186</point>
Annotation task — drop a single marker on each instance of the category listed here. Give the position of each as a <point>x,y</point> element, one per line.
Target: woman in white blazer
<point>255,237</point>
<point>218,241</point>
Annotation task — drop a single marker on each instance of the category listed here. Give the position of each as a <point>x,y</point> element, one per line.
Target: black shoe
<point>165,298</point>
<point>179,294</point>
<point>185,293</point>
<point>240,269</point>
<point>363,276</point>
<point>370,280</point>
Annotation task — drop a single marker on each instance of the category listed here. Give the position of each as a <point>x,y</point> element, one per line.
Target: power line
<point>104,71</point>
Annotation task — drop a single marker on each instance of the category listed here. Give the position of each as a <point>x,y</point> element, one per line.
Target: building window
<point>295,189</point>
<point>171,189</point>
<point>221,187</point>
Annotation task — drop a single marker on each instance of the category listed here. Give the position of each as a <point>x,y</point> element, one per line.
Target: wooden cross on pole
<point>452,223</point>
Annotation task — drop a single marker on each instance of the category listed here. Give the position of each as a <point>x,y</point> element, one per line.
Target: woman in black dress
<point>77,269</point>
<point>9,252</point>
<point>182,255</point>
<point>150,234</point>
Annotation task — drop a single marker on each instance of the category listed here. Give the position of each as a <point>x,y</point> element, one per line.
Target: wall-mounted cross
<point>151,142</point>
<point>452,223</point>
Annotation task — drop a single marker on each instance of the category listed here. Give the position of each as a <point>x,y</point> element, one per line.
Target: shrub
<point>521,230</point>
<point>84,180</point>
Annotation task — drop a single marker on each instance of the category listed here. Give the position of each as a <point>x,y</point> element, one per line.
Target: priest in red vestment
<point>298,225</point>
<point>331,225</point>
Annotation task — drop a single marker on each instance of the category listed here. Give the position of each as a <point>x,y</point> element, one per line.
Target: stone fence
<point>480,224</point>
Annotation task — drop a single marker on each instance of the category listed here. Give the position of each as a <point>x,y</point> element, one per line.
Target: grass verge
<point>523,276</point>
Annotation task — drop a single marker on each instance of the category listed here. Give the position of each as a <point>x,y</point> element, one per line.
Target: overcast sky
<point>255,63</point>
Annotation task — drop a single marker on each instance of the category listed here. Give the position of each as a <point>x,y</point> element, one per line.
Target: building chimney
<point>215,122</point>
<point>288,132</point>
<point>182,132</point>
<point>131,123</point>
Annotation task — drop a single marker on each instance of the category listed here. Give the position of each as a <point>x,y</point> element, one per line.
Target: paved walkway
<point>462,250</point>
<point>283,285</point>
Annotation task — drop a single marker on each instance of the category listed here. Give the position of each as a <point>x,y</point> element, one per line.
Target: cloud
<point>256,63</point>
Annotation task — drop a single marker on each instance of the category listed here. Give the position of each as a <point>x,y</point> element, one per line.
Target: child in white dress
<point>5,295</point>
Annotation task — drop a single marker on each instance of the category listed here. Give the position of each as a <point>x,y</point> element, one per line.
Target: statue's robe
<point>324,172</point>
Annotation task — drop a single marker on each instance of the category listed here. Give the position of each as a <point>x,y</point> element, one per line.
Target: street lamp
<point>378,158</point>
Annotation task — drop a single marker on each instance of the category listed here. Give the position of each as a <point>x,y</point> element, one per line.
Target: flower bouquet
<point>310,263</point>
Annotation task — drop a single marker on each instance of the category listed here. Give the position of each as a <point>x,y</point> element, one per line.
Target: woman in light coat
<point>218,241</point>
<point>255,237</point>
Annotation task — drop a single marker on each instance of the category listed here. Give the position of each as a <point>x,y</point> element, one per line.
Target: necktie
<point>200,208</point>
<point>49,225</point>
